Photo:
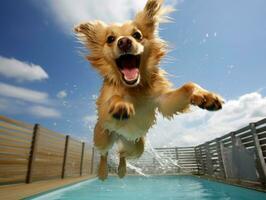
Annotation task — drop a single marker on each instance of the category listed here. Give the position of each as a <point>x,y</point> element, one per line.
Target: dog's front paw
<point>207,100</point>
<point>122,110</point>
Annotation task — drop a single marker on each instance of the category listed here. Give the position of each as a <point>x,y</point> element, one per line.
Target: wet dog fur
<point>127,56</point>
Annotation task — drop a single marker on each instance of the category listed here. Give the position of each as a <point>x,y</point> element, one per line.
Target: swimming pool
<point>152,188</point>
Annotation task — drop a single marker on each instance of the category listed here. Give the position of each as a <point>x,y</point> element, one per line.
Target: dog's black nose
<point>124,44</point>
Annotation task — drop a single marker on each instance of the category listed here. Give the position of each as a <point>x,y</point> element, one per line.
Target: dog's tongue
<point>129,70</point>
<point>130,74</point>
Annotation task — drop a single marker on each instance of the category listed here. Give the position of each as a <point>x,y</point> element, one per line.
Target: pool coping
<point>239,183</point>
<point>23,190</point>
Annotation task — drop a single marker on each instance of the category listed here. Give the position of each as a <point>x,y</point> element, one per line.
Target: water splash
<point>113,157</point>
<point>165,162</point>
<point>137,169</point>
<point>158,160</point>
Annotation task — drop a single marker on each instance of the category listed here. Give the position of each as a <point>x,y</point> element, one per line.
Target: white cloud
<point>18,100</point>
<point>4,104</point>
<point>44,112</point>
<point>89,120</point>
<point>61,94</point>
<point>200,126</point>
<point>18,107</point>
<point>21,71</point>
<point>12,107</point>
<point>69,13</point>
<point>7,90</point>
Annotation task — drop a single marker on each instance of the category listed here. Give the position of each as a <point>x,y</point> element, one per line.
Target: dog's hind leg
<point>129,150</point>
<point>122,167</point>
<point>103,141</point>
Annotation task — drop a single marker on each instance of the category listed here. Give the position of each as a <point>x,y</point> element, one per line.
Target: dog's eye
<point>110,39</point>
<point>137,35</point>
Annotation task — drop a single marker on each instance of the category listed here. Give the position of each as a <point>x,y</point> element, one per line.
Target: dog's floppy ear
<point>153,13</point>
<point>92,34</point>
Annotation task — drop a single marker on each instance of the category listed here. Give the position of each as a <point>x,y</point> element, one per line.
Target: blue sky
<point>219,44</point>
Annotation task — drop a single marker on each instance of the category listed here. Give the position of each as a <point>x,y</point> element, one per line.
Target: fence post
<point>201,163</point>
<point>65,157</point>
<point>32,156</point>
<point>197,155</point>
<point>176,153</point>
<point>233,138</point>
<point>260,162</point>
<point>220,157</point>
<point>197,158</point>
<point>208,160</point>
<point>204,161</point>
<point>82,157</point>
<point>92,159</point>
<point>234,148</point>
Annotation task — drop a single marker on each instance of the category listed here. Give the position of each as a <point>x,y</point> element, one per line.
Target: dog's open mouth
<point>128,65</point>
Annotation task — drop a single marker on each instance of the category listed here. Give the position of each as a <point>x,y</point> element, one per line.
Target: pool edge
<point>57,188</point>
<point>242,184</point>
<point>25,191</point>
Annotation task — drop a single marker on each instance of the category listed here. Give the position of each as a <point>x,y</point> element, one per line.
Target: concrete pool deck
<point>21,191</point>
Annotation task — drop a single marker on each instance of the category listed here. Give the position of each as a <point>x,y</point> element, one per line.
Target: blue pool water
<point>152,188</point>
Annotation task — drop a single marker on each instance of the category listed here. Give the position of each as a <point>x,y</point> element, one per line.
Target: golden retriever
<point>127,56</point>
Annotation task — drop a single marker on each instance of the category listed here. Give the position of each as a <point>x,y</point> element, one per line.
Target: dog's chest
<point>138,125</point>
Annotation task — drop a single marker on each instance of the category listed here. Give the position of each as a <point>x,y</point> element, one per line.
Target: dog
<point>127,56</point>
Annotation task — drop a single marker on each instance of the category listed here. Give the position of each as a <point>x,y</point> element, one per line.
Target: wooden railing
<point>185,157</point>
<point>30,153</point>
<point>239,155</point>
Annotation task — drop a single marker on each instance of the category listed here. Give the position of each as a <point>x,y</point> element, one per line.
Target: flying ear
<point>92,34</point>
<point>153,13</point>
